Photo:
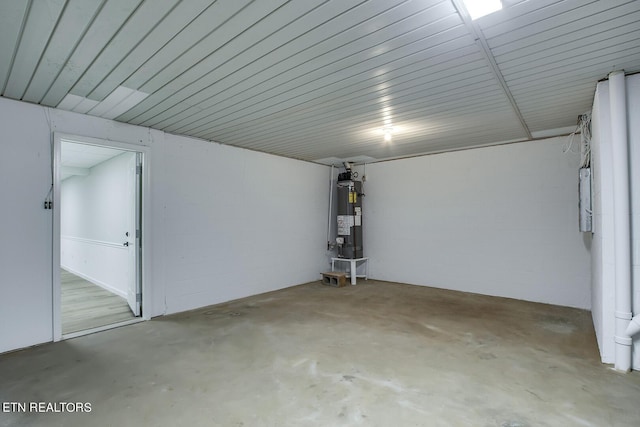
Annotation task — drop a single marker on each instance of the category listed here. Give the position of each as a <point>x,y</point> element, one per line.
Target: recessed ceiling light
<point>480,8</point>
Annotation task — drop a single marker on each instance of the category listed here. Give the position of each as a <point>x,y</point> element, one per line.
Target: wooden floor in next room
<point>86,305</point>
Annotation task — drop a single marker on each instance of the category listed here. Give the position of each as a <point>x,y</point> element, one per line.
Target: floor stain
<point>414,356</point>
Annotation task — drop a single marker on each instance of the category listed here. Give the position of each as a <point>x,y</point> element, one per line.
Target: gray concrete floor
<point>375,354</point>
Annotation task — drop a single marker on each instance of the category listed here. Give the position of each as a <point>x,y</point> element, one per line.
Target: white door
<point>133,237</point>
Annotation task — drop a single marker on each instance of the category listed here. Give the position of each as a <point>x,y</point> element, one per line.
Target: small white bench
<point>353,267</point>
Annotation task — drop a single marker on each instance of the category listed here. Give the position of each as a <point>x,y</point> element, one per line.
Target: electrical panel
<point>584,190</point>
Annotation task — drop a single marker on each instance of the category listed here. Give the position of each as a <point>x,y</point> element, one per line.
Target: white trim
<point>95,242</point>
<point>56,297</point>
<point>147,298</point>
<point>95,281</point>
<point>102,328</point>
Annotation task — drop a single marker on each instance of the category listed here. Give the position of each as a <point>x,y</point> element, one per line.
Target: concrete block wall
<point>225,222</point>
<point>500,220</point>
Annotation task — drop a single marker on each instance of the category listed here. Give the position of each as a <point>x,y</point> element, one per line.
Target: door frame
<point>144,261</point>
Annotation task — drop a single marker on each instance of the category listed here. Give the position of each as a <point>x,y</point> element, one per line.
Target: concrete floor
<point>376,354</point>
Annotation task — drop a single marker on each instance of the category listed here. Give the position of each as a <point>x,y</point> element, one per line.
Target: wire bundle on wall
<point>584,126</point>
<point>584,129</point>
<point>584,180</point>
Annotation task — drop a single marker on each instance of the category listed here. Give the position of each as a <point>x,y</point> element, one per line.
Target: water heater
<point>349,240</point>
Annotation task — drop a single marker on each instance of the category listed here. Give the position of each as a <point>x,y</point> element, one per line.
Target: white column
<point>622,217</point>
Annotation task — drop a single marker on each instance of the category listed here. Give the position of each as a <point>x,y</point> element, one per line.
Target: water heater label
<point>345,222</point>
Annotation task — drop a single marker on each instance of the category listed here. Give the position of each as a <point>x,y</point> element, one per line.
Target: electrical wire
<point>570,141</point>
<point>584,129</point>
<point>585,137</point>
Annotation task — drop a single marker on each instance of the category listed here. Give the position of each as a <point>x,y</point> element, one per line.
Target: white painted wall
<point>499,221</point>
<point>25,227</point>
<point>235,222</point>
<point>225,222</point>
<point>603,259</point>
<point>96,212</point>
<point>228,223</point>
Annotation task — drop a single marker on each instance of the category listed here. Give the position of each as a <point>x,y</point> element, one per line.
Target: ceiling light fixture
<point>479,8</point>
<point>388,133</point>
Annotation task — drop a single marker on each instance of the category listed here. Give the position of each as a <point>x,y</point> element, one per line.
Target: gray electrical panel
<point>584,191</point>
<point>350,219</point>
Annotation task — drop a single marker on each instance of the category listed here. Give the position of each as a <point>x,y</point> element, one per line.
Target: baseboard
<point>100,283</point>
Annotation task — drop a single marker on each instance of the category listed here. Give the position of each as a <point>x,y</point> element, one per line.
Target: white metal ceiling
<point>317,79</point>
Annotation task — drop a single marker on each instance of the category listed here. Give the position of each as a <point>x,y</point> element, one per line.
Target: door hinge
<point>137,234</point>
<point>138,297</point>
<point>138,169</point>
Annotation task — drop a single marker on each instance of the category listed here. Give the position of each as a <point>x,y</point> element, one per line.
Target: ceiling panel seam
<point>15,49</point>
<point>375,81</point>
<point>580,17</point>
<point>460,140</point>
<point>71,52</point>
<point>46,46</point>
<point>167,96</point>
<point>208,98</point>
<point>476,32</point>
<point>227,42</point>
<point>253,105</point>
<point>157,24</point>
<point>304,116</point>
<point>534,19</point>
<point>164,45</point>
<point>323,131</point>
<point>573,50</point>
<point>113,36</point>
<point>372,120</point>
<point>549,34</point>
<point>151,76</point>
<point>144,107</point>
<point>341,98</point>
<point>578,38</point>
<point>100,31</point>
<point>226,88</point>
<point>154,121</point>
<point>170,93</point>
<point>369,120</point>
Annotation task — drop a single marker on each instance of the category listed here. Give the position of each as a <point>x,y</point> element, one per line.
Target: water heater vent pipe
<point>330,210</point>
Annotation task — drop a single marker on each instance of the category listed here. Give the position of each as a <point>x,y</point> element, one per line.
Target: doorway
<point>97,236</point>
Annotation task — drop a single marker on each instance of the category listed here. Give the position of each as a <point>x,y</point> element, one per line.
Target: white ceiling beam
<point>481,41</point>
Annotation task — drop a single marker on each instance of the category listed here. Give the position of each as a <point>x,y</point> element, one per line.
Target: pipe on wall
<point>622,218</point>
<point>634,326</point>
<point>329,221</point>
